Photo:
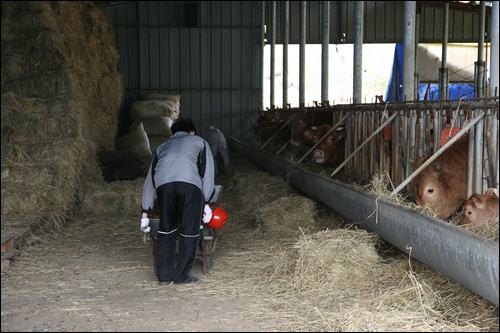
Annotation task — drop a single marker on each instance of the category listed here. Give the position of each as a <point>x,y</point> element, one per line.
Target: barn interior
<point>81,119</point>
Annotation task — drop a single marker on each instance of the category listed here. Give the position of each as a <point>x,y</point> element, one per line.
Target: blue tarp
<point>427,91</point>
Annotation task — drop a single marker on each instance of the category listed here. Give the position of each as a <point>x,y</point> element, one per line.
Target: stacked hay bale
<point>120,198</point>
<point>61,94</point>
<point>152,116</point>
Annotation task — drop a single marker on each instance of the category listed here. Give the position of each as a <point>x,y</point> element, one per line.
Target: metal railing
<point>388,138</point>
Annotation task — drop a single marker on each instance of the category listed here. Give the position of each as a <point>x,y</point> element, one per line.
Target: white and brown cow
<point>481,208</point>
<point>442,185</point>
<point>331,149</point>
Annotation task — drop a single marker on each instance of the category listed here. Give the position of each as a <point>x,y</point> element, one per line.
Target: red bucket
<point>387,132</point>
<point>447,134</point>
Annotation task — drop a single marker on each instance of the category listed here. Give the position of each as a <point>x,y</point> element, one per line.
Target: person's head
<point>183,124</point>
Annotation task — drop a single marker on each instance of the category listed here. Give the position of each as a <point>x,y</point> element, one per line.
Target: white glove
<point>207,213</point>
<point>145,225</point>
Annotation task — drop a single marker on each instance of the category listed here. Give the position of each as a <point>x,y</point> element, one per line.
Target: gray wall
<point>383,22</point>
<point>207,51</point>
<point>210,52</point>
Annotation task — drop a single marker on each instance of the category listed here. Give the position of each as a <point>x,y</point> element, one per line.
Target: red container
<point>447,134</point>
<point>387,132</point>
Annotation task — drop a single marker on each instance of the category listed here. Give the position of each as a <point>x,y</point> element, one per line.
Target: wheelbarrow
<point>207,241</point>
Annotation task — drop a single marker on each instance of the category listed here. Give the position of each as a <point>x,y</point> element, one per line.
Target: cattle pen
<point>415,129</point>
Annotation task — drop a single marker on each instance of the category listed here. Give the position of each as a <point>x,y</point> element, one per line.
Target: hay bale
<point>55,118</point>
<point>117,198</point>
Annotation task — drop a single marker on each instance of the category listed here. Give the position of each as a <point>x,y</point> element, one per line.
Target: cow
<point>330,150</point>
<point>218,145</point>
<point>480,208</point>
<point>268,127</point>
<point>303,132</point>
<point>442,185</point>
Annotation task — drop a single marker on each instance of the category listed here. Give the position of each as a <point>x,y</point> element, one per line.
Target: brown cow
<point>442,185</point>
<point>303,132</point>
<point>332,148</point>
<point>481,208</point>
<point>266,127</point>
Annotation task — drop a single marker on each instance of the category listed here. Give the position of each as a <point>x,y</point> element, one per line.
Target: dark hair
<point>183,124</point>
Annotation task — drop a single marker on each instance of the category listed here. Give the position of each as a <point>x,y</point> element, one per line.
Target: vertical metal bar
<point>324,51</point>
<point>273,54</point>
<point>302,55</point>
<point>357,89</point>
<point>262,46</point>
<point>480,64</point>
<point>409,51</point>
<point>421,134</point>
<point>491,137</point>
<point>286,34</point>
<point>372,143</point>
<point>494,51</point>
<point>443,71</point>
<point>395,144</point>
<point>478,156</point>
<point>437,130</point>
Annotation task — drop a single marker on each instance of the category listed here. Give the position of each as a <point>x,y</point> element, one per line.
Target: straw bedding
<point>306,269</point>
<point>283,262</point>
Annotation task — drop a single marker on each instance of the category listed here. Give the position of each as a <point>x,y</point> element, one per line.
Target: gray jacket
<point>181,158</point>
<point>217,142</point>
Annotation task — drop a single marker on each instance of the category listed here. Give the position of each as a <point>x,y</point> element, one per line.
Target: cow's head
<point>332,147</point>
<point>481,208</point>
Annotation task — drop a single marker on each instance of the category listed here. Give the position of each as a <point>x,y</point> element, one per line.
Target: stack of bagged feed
<point>152,116</point>
<point>61,95</point>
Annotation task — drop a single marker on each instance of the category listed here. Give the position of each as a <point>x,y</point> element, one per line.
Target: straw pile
<point>329,259</point>
<point>328,276</point>
<point>331,274</point>
<point>286,217</point>
<point>61,94</point>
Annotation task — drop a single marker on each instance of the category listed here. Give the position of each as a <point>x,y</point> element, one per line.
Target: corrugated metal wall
<point>383,22</point>
<point>207,51</point>
<point>210,52</point>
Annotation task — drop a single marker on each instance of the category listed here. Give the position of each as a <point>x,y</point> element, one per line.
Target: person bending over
<point>181,177</point>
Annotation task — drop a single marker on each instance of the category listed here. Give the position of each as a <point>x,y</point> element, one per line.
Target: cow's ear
<point>421,160</point>
<point>478,202</point>
<point>491,191</point>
